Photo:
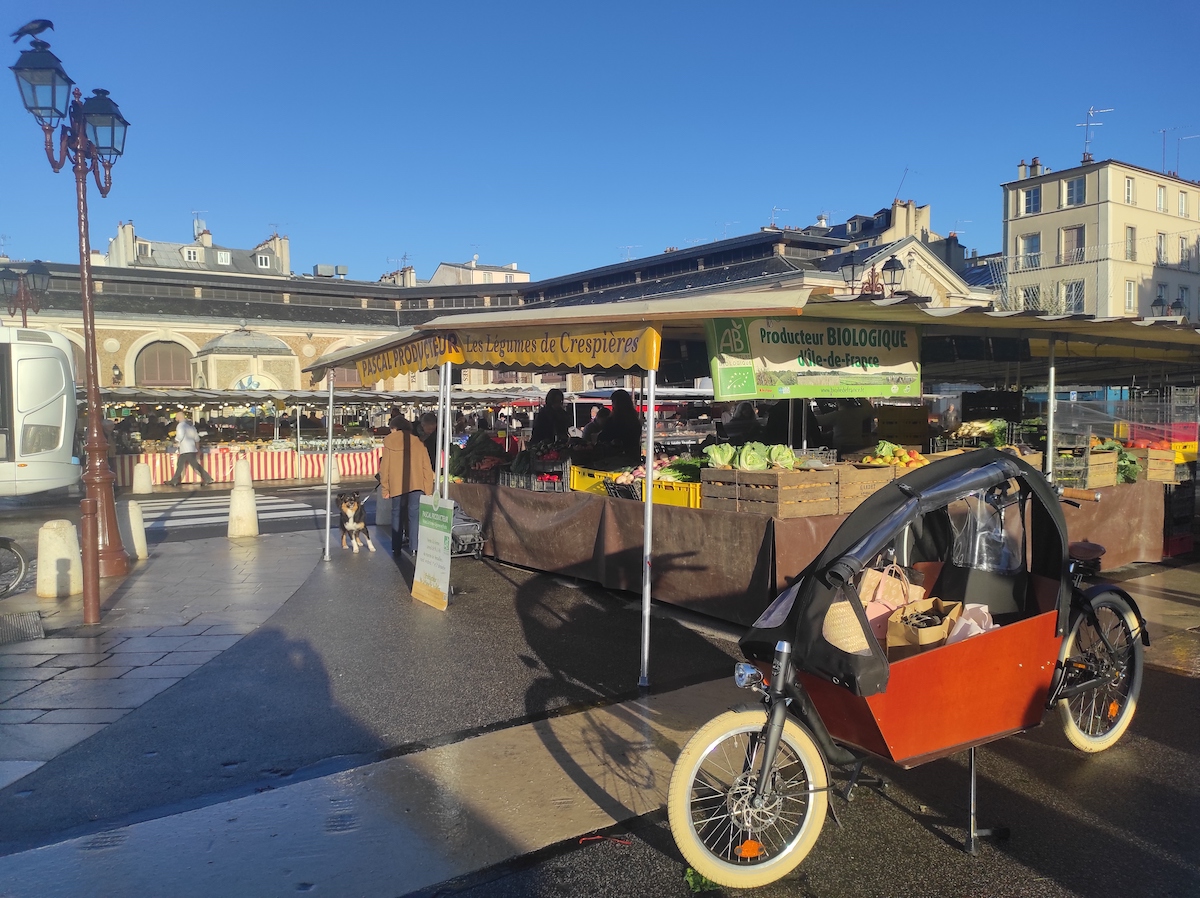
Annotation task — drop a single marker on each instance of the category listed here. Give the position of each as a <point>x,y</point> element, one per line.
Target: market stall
<point>726,561</point>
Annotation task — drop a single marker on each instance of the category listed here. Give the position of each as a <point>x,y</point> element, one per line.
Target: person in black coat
<point>552,422</point>
<point>623,432</point>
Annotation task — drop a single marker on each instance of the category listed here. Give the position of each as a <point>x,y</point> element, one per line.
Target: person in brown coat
<point>405,474</point>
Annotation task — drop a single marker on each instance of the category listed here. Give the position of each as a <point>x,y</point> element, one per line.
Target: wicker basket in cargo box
<point>857,482</point>
<point>781,494</point>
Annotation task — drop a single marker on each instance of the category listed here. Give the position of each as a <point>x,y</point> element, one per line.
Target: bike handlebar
<point>1080,495</point>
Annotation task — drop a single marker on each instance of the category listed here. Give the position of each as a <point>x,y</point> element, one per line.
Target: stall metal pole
<point>648,527</point>
<point>448,431</point>
<point>804,427</point>
<point>791,424</point>
<point>1052,389</point>
<point>329,466</point>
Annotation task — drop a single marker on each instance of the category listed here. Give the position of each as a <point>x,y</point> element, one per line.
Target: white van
<point>37,412</point>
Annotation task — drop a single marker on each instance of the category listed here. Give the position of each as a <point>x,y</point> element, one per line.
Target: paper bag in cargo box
<point>920,626</point>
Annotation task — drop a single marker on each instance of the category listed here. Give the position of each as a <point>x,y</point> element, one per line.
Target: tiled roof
<point>170,257</point>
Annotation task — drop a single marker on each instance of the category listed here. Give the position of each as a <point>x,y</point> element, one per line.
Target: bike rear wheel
<point>1096,719</point>
<point>709,803</point>
<point>13,566</point>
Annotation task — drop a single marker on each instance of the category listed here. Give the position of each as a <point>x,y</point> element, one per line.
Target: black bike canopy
<point>918,500</point>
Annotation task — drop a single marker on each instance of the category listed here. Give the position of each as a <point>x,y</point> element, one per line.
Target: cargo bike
<point>750,791</point>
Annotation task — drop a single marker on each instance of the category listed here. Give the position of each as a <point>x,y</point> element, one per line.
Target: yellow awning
<point>559,346</point>
<point>411,356</point>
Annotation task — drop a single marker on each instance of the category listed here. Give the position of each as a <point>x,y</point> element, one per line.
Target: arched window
<point>163,364</point>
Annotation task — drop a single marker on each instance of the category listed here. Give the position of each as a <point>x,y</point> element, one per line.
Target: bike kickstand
<point>857,779</point>
<point>974,834</point>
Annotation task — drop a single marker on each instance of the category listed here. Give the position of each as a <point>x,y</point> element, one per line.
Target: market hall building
<point>203,315</point>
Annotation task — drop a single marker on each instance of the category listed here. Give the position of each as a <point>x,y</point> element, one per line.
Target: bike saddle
<point>1085,551</point>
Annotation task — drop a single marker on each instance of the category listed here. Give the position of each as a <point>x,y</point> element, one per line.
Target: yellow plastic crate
<point>684,495</point>
<point>588,480</point>
<point>1184,452</point>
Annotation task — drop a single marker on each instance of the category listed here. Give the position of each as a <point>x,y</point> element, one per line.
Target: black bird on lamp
<point>32,29</point>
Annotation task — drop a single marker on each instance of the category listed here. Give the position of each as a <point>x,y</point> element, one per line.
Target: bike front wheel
<point>710,803</point>
<point>1096,719</point>
<point>13,566</point>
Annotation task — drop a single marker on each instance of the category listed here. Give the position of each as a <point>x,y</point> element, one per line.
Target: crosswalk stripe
<point>161,514</point>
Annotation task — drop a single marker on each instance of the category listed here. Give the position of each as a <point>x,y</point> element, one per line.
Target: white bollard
<point>142,481</point>
<point>132,525</point>
<point>243,509</point>
<point>59,564</point>
<point>335,473</point>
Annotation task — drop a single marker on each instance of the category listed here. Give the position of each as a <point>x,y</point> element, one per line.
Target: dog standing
<point>352,519</point>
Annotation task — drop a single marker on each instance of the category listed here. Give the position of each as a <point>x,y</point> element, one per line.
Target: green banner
<point>801,358</point>
<point>431,578</point>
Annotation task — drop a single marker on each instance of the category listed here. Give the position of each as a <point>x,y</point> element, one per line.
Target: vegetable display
<point>475,455</point>
<point>897,456</point>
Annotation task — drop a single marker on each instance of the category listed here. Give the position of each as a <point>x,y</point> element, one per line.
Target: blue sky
<point>565,136</point>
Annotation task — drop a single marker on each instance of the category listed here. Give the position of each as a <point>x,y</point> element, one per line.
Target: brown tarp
<point>1127,521</point>
<point>714,562</point>
<point>798,541</point>
<point>725,564</point>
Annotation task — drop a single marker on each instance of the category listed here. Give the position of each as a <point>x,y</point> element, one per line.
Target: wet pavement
<point>355,742</point>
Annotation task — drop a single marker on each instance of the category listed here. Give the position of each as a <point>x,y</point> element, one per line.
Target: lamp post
<point>25,291</point>
<point>92,138</point>
<point>1158,308</point>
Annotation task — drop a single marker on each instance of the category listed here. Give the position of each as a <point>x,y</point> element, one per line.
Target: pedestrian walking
<point>188,441</point>
<point>405,474</point>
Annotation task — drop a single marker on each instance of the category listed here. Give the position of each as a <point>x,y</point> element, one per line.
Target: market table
<point>730,565</point>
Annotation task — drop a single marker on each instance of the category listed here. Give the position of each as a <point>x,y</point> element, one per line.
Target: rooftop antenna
<point>774,211</point>
<point>402,261</point>
<point>1087,125</point>
<point>725,233</point>
<point>1178,144</point>
<point>197,222</point>
<point>901,185</point>
<point>275,226</point>
<point>4,239</point>
<point>1163,132</point>
<point>959,221</point>
<point>629,248</point>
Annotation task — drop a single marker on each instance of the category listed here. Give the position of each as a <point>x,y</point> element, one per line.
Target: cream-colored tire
<point>1095,720</point>
<point>718,831</point>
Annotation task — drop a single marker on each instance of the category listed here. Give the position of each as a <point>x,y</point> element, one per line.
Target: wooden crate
<point>781,494</point>
<point>857,482</point>
<point>1096,470</point>
<point>1157,465</point>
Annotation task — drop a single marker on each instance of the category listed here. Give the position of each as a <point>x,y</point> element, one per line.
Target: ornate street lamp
<point>92,138</point>
<point>893,273</point>
<point>1178,309</point>
<point>1158,308</point>
<point>851,270</point>
<point>25,291</point>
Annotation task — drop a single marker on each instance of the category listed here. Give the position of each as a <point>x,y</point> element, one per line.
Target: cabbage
<point>752,457</point>
<point>782,456</point>
<point>719,455</point>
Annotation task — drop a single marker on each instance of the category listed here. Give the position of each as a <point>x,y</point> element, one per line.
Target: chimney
<point>205,238</point>
<point>1022,171</point>
<point>1035,167</point>
<point>822,221</point>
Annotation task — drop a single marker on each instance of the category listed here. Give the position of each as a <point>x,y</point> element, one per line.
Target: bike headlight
<point>746,676</point>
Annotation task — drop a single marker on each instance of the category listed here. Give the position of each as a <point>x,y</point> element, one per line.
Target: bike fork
<point>781,671</point>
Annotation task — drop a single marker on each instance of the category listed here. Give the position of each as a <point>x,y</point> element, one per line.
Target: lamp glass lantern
<point>851,270</point>
<point>1158,308</point>
<point>10,282</point>
<point>45,87</point>
<point>105,125</point>
<point>37,278</point>
<point>893,272</point>
<point>1178,308</point>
